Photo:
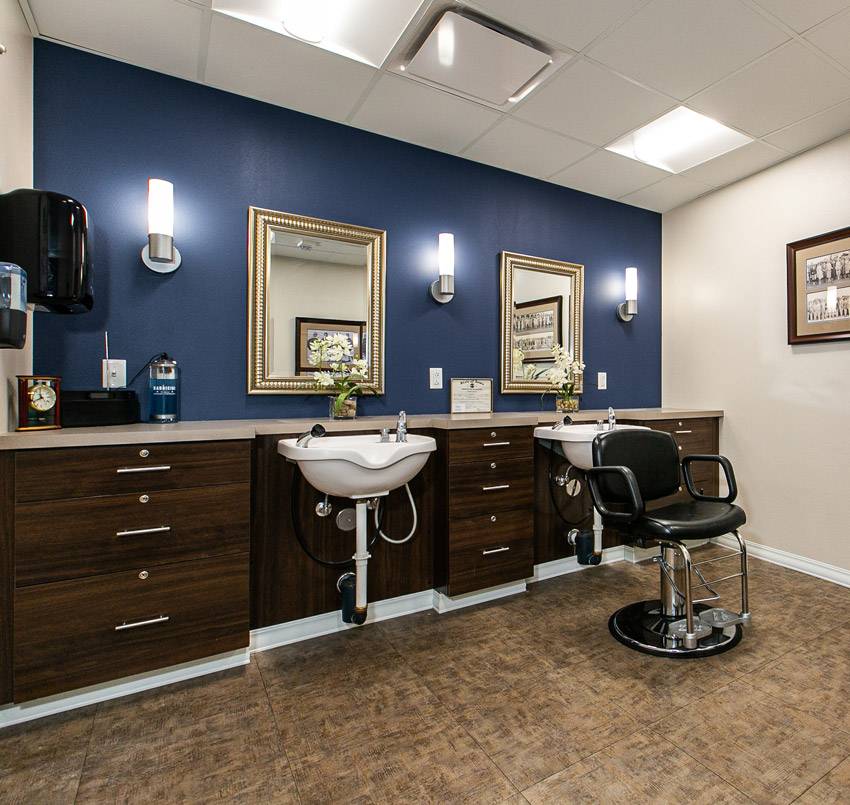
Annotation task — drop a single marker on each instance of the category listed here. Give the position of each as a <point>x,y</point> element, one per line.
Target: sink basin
<point>575,440</point>
<point>359,466</point>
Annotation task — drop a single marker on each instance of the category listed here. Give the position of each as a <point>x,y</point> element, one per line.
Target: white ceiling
<point>776,70</point>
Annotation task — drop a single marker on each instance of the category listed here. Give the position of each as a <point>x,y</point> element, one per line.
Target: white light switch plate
<point>602,380</point>
<point>114,374</point>
<point>435,378</point>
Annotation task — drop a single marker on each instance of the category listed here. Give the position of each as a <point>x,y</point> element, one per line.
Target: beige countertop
<point>144,432</point>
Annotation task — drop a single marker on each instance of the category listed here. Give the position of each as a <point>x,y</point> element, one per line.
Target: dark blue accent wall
<point>102,129</point>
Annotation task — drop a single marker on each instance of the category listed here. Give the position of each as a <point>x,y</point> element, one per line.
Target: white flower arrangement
<point>564,375</point>
<point>346,377</point>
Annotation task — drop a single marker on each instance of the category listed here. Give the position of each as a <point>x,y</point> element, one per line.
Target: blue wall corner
<point>97,139</point>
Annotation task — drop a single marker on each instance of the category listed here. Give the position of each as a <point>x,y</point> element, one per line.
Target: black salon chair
<point>633,468</point>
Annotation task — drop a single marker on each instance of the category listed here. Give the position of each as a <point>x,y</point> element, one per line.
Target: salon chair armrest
<point>727,471</point>
<point>635,502</point>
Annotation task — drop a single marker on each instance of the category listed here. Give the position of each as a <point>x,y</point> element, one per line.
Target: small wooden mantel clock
<point>38,402</point>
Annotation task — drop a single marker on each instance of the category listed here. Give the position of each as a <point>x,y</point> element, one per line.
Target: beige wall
<point>724,345</point>
<point>15,163</point>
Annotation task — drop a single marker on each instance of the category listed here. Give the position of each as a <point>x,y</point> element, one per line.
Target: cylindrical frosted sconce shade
<point>160,207</point>
<point>446,253</point>
<point>628,309</point>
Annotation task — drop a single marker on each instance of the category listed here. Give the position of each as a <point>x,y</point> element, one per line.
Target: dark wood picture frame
<point>523,326</point>
<point>307,329</point>
<point>819,288</point>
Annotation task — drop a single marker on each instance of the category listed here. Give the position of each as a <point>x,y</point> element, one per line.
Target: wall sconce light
<point>443,289</point>
<point>626,310</point>
<point>160,254</point>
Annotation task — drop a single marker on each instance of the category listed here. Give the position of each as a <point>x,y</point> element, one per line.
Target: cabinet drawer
<point>691,435</point>
<point>88,471</point>
<point>486,444</point>
<point>70,634</point>
<point>64,539</point>
<point>490,486</point>
<point>490,549</point>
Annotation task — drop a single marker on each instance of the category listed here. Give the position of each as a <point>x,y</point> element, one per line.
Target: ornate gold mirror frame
<point>269,304</point>
<point>552,290</point>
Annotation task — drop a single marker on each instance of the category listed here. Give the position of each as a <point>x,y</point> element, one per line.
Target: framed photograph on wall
<point>819,288</point>
<point>308,330</point>
<point>537,327</point>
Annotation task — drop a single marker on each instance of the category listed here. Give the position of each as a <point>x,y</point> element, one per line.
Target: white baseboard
<point>282,634</point>
<point>442,603</point>
<point>16,713</point>
<point>811,567</point>
<point>560,567</point>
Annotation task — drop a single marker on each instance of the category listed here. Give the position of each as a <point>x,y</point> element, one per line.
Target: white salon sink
<point>359,466</point>
<point>576,440</point>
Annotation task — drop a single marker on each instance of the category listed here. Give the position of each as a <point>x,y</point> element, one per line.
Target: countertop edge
<point>230,429</point>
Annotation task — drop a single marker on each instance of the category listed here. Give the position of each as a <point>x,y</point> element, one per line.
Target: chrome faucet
<point>401,427</point>
<point>314,432</point>
<point>612,420</point>
<point>565,421</point>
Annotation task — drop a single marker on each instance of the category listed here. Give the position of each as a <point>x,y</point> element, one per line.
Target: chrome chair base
<point>643,626</point>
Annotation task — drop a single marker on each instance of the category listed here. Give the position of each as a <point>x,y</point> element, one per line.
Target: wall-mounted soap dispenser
<point>13,306</point>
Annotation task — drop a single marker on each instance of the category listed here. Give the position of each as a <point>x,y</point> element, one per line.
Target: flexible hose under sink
<point>415,521</point>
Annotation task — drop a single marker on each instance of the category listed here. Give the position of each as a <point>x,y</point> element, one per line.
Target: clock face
<point>42,397</point>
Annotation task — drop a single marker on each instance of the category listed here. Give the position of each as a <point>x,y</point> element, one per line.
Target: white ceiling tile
<point>523,148</point>
<point>574,23</point>
<point>784,87</point>
<point>609,175</point>
<point>667,194</point>
<point>736,164</point>
<point>834,39</point>
<point>803,14</point>
<point>657,45</point>
<point>406,110</point>
<point>160,35</point>
<point>254,62</point>
<point>590,103</point>
<point>814,131</point>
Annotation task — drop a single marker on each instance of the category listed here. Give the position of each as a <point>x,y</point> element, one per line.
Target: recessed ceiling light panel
<point>679,140</point>
<point>470,55</point>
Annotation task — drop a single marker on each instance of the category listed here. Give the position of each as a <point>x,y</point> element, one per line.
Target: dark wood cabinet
<point>286,584</point>
<point>485,536</point>
<point>7,571</point>
<point>127,559</point>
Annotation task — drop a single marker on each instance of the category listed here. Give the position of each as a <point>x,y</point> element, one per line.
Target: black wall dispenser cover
<point>46,234</point>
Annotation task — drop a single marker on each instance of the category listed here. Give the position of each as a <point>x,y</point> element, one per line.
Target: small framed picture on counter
<point>472,395</point>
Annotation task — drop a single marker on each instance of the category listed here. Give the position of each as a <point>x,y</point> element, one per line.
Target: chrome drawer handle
<point>495,550</point>
<point>491,488</point>
<point>682,431</point>
<point>143,469</point>
<point>495,444</point>
<point>125,625</point>
<point>133,532</point>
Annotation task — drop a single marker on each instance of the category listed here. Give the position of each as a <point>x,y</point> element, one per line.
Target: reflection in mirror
<point>310,278</point>
<point>541,307</point>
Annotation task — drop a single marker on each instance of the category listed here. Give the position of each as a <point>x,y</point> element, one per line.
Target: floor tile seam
<point>784,703</point>
<point>86,755</point>
<point>696,760</point>
<point>450,714</point>
<point>279,732</point>
<point>825,774</point>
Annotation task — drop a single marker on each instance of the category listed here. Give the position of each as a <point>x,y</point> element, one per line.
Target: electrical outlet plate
<point>114,374</point>
<point>602,380</point>
<point>435,377</point>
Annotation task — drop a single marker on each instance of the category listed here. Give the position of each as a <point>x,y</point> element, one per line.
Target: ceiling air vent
<point>467,54</point>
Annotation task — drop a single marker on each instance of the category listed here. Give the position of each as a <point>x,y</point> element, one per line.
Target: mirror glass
<point>310,278</point>
<point>541,306</point>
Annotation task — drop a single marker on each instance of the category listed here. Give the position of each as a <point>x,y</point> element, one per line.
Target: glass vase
<point>347,410</point>
<point>565,405</point>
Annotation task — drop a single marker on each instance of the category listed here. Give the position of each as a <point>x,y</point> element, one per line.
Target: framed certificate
<point>471,395</point>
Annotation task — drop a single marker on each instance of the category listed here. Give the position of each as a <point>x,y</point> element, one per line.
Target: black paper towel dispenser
<point>46,234</point>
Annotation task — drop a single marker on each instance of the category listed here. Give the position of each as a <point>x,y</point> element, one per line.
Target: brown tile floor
<point>524,700</point>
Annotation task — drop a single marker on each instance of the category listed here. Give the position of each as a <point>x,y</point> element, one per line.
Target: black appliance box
<point>83,409</point>
<point>46,234</point>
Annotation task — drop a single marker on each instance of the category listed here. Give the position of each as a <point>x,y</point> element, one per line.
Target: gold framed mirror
<point>307,278</point>
<point>542,304</point>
